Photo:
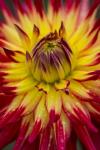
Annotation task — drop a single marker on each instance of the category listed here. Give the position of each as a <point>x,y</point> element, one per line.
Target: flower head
<point>49,74</point>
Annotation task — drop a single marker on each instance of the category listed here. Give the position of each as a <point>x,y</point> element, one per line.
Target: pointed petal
<point>29,4</point>
<point>56,4</point>
<point>20,138</point>
<point>19,6</point>
<point>53,104</point>
<point>45,139</point>
<point>93,7</point>
<point>36,130</point>
<point>62,132</point>
<point>79,90</point>
<point>25,38</point>
<point>39,6</point>
<point>84,136</point>
<point>13,55</point>
<point>41,119</point>
<point>84,8</point>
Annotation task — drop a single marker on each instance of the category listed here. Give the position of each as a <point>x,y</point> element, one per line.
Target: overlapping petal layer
<point>49,74</point>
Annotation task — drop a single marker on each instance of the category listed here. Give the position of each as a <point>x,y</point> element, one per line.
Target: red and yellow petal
<point>49,74</point>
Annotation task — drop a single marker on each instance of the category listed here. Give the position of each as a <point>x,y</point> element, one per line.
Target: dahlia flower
<point>50,75</point>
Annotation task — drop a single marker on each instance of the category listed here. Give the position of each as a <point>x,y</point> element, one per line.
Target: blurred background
<point>10,4</point>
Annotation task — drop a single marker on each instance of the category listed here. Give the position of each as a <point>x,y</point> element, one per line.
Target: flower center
<point>51,59</point>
